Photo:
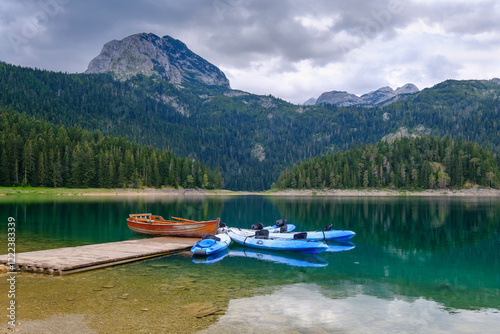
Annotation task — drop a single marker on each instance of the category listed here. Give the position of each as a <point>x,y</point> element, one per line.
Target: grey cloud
<point>439,68</point>
<point>240,33</point>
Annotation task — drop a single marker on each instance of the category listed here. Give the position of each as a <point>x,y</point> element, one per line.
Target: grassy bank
<point>223,192</point>
<point>46,191</point>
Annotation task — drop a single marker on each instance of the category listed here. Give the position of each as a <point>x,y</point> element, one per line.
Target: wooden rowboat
<point>148,224</point>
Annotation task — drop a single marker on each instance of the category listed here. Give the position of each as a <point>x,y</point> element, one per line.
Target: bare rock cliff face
<point>149,54</point>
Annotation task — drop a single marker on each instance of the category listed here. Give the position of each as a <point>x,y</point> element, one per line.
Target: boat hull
<point>337,235</point>
<point>304,246</point>
<point>161,227</point>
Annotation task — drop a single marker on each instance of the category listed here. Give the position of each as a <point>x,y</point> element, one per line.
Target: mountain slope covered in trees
<point>38,153</point>
<point>250,138</point>
<point>425,163</point>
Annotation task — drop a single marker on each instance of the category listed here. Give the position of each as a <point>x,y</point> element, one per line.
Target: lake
<point>416,265</point>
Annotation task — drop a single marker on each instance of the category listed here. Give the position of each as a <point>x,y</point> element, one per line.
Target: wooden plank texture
<point>74,259</point>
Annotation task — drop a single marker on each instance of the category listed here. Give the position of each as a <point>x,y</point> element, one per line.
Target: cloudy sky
<point>291,49</point>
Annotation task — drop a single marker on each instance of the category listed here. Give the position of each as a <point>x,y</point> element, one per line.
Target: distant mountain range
<point>154,91</point>
<point>378,97</point>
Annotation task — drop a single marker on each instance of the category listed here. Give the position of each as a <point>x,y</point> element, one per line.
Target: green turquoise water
<point>416,265</point>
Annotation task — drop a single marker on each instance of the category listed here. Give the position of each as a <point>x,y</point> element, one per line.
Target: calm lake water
<point>416,265</point>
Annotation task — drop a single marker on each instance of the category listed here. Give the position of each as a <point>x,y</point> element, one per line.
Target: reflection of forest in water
<point>442,249</point>
<point>445,249</point>
<point>425,224</point>
<point>44,223</point>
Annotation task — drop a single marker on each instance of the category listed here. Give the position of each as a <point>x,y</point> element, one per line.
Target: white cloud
<point>320,24</point>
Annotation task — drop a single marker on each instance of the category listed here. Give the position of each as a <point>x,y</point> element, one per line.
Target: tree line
<point>38,153</point>
<point>428,162</point>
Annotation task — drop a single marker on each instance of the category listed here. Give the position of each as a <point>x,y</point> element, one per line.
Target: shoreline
<point>472,192</point>
<point>469,192</point>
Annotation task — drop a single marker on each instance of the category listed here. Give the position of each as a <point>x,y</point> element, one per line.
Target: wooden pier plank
<point>71,259</point>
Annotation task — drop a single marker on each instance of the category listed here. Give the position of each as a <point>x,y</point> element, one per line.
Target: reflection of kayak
<point>211,244</point>
<point>290,258</point>
<point>211,258</point>
<point>262,240</point>
<point>312,235</point>
<point>340,246</point>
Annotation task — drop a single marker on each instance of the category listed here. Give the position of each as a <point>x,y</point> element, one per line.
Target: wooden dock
<point>70,260</point>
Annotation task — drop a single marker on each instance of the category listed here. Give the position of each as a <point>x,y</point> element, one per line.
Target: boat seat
<point>281,222</point>
<point>326,229</point>
<point>300,236</point>
<point>262,234</point>
<point>257,226</point>
<point>210,236</point>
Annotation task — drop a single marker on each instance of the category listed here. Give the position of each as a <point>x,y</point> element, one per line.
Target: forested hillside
<point>37,153</point>
<point>425,163</point>
<point>466,110</point>
<point>250,138</point>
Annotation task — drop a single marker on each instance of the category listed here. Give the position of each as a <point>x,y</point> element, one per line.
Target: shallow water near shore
<point>419,265</point>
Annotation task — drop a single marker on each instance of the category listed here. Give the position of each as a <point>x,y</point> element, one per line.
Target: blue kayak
<point>211,244</point>
<point>324,235</point>
<point>262,240</point>
<point>327,234</point>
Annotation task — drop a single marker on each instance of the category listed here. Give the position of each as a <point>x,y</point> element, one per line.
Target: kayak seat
<point>281,222</point>
<point>211,236</point>
<point>300,236</point>
<point>257,226</point>
<point>328,227</point>
<point>283,229</point>
<point>206,243</point>
<point>262,234</point>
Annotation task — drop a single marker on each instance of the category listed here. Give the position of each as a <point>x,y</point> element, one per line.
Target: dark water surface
<point>416,265</point>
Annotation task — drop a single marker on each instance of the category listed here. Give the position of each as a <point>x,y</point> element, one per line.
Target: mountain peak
<point>148,54</point>
<point>409,88</point>
<point>371,99</point>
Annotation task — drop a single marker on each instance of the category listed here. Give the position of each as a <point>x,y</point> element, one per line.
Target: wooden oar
<point>188,220</point>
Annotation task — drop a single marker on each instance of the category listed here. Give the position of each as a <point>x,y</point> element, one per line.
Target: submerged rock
<point>200,310</point>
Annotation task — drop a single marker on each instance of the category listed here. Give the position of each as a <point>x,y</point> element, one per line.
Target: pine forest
<point>410,163</point>
<point>37,153</point>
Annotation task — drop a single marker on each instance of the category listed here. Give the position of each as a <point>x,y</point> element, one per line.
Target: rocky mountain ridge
<point>149,55</point>
<point>372,99</point>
